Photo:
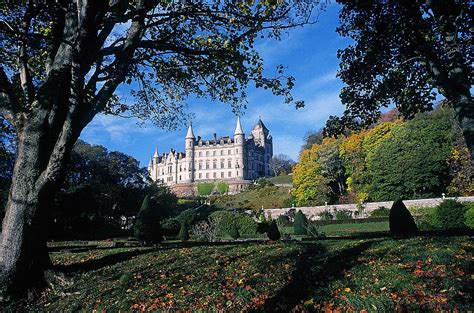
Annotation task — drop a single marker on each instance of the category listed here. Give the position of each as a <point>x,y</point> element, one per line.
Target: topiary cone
<point>400,220</point>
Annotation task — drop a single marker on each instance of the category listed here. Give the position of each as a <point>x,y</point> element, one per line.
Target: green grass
<point>353,228</point>
<point>283,179</point>
<point>375,274</point>
<point>268,197</point>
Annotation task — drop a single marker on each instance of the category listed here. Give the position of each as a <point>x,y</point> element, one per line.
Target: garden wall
<point>313,212</point>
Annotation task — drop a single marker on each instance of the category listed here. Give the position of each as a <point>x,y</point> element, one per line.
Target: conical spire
<point>156,153</point>
<point>238,127</point>
<point>190,134</point>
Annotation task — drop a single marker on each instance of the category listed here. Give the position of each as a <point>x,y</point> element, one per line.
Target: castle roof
<point>261,124</point>
<point>190,134</point>
<point>238,127</point>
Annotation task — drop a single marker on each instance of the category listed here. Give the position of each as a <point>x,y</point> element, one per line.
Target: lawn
<point>423,273</point>
<point>256,198</point>
<point>283,179</point>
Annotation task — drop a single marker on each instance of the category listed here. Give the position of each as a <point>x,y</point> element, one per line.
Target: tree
<point>312,138</point>
<point>62,62</point>
<point>299,225</point>
<point>281,164</point>
<point>234,231</point>
<point>400,221</point>
<point>147,224</point>
<point>405,52</point>
<point>183,232</point>
<point>273,232</point>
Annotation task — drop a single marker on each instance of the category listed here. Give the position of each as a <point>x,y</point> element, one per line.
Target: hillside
<point>266,197</point>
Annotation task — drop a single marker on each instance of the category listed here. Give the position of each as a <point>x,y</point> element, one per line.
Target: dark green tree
<point>234,231</point>
<point>183,232</point>
<point>147,228</point>
<point>406,52</point>
<point>300,223</point>
<point>400,220</point>
<point>62,62</point>
<point>273,232</point>
<point>412,162</point>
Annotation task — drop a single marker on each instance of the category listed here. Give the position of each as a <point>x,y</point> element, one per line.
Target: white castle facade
<point>236,160</point>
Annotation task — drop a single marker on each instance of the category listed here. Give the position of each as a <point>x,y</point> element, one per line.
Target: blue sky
<point>309,53</point>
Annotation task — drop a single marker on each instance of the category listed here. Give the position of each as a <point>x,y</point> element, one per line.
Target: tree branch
<point>10,106</point>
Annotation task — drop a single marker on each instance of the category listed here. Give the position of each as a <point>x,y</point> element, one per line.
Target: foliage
<point>314,231</point>
<point>299,225</point>
<point>183,232</point>
<point>170,227</point>
<point>186,217</point>
<point>207,231</point>
<point>400,220</point>
<point>461,171</point>
<point>273,233</point>
<point>407,164</point>
<point>312,138</point>
<point>310,186</point>
<point>343,214</point>
<point>234,231</point>
<point>469,217</point>
<point>281,164</point>
<point>205,188</point>
<point>147,224</point>
<point>326,215</point>
<point>263,182</point>
<point>283,220</point>
<point>449,214</point>
<point>406,53</point>
<point>222,187</point>
<point>244,223</point>
<point>380,211</point>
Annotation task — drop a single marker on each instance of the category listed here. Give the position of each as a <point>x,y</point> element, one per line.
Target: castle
<point>236,160</point>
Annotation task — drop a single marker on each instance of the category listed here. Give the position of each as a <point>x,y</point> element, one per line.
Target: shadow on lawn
<point>314,271</point>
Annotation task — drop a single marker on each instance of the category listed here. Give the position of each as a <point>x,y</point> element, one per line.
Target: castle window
<point>200,175</point>
<point>222,174</point>
<point>179,177</point>
<point>222,163</point>
<point>229,174</point>
<point>207,153</point>
<point>213,152</point>
<point>207,165</point>
<point>207,175</point>
<point>228,152</point>
<point>200,153</point>
<point>236,150</point>
<point>180,169</point>
<point>214,175</point>
<point>222,152</point>
<point>229,164</point>
<point>214,164</point>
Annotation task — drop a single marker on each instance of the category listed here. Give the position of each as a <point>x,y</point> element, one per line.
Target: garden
<point>231,260</point>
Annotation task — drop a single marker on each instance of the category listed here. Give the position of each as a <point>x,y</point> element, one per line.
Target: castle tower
<point>239,140</point>
<point>189,144</point>
<point>154,164</point>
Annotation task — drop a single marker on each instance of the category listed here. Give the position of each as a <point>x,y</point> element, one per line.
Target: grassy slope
<point>283,179</point>
<point>268,197</point>
<point>377,274</point>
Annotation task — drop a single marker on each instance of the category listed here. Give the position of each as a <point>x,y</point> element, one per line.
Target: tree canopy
<point>406,53</point>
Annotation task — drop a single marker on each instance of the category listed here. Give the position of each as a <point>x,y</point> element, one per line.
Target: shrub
<point>380,211</point>
<point>170,227</point>
<point>245,224</point>
<point>469,217</point>
<point>147,224</point>
<point>187,216</point>
<point>344,214</point>
<point>449,214</point>
<point>206,230</point>
<point>263,227</point>
<point>299,226</point>
<point>326,216</point>
<point>288,202</point>
<point>222,187</point>
<point>314,231</point>
<point>273,233</point>
<point>400,220</point>
<point>205,189</point>
<point>183,232</point>
<point>234,232</point>
<point>283,220</point>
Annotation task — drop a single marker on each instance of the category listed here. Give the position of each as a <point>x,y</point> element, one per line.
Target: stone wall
<point>313,212</point>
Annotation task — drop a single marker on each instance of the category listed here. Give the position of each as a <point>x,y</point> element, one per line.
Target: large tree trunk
<point>42,152</point>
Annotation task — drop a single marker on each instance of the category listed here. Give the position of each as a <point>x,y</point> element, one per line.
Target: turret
<point>189,144</point>
<point>239,139</point>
